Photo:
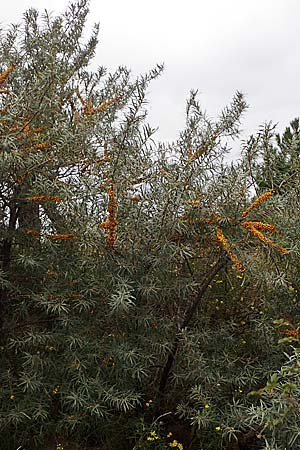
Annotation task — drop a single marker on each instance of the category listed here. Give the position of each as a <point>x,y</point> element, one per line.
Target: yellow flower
<point>153,436</point>
<point>176,444</point>
<point>169,434</point>
<point>206,406</point>
<point>218,428</point>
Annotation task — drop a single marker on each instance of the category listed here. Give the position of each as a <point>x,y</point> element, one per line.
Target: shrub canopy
<point>147,291</point>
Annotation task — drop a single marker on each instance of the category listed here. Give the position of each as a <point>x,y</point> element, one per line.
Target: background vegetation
<point>148,292</point>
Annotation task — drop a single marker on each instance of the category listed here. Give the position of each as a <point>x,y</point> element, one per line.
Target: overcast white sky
<point>215,46</point>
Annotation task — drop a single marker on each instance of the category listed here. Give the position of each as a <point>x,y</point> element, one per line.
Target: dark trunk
<point>56,218</point>
<point>5,255</point>
<point>188,316</point>
<point>29,217</point>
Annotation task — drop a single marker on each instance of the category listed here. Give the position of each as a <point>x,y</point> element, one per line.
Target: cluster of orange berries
<point>89,110</point>
<point>45,198</point>
<point>225,244</point>
<point>111,223</point>
<point>61,237</point>
<point>3,77</point>
<point>57,237</point>
<point>255,228</point>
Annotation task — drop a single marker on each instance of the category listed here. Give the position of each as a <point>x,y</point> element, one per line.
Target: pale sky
<point>215,46</point>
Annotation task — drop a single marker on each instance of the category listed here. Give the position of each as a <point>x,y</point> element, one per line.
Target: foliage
<point>144,287</point>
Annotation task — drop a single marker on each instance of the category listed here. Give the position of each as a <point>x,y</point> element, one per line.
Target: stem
<point>5,255</point>
<point>188,316</point>
<point>222,261</point>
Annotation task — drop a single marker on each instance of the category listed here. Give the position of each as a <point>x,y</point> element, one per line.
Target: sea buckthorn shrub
<point>147,290</point>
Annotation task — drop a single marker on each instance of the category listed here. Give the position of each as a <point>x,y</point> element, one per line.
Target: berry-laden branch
<point>255,228</point>
<point>111,223</point>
